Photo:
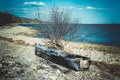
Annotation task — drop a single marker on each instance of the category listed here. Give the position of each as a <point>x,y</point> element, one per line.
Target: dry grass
<point>6,39</point>
<point>95,47</point>
<point>95,52</point>
<point>20,42</point>
<point>111,68</point>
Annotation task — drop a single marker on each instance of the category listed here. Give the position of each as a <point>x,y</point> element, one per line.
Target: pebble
<point>53,77</point>
<point>1,65</point>
<point>43,71</point>
<point>17,78</point>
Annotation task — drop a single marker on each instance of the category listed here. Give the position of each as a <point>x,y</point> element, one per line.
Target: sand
<point>19,42</point>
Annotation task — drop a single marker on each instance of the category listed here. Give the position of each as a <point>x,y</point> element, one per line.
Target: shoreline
<point>28,36</point>
<point>91,40</point>
<point>22,35</point>
<point>105,58</point>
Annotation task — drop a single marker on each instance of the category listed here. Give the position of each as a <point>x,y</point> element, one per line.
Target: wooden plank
<point>71,61</point>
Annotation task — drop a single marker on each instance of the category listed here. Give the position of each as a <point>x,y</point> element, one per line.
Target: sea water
<point>108,34</point>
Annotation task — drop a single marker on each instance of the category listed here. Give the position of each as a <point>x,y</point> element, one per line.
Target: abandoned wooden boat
<point>71,61</point>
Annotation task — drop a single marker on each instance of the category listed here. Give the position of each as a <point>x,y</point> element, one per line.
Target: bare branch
<point>59,26</point>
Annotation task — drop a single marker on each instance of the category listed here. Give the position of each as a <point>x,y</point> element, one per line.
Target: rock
<point>17,78</point>
<point>53,77</point>
<point>1,65</point>
<point>33,67</point>
<point>58,71</point>
<point>42,67</point>
<point>19,42</point>
<point>15,65</point>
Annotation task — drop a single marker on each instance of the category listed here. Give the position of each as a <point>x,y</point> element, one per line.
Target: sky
<point>89,11</point>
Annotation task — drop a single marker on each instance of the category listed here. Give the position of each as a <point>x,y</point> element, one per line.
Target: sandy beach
<point>18,60</point>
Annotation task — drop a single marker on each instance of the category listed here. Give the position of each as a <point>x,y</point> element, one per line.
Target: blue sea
<point>107,34</point>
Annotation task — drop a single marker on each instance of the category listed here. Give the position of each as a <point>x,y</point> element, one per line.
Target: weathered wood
<point>71,61</point>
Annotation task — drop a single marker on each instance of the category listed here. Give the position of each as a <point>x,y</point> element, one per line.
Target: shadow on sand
<point>114,68</point>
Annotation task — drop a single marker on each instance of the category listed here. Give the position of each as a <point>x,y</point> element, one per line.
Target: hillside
<point>6,19</point>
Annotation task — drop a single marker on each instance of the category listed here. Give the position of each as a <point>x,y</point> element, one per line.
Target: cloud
<point>19,9</point>
<point>80,8</point>
<point>85,8</point>
<point>103,9</point>
<point>42,12</point>
<point>94,8</point>
<point>35,3</point>
<point>71,7</point>
<point>90,8</point>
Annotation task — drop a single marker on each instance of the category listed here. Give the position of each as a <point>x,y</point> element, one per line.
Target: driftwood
<point>71,61</point>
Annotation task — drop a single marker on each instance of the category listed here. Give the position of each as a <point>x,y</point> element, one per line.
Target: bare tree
<point>59,27</point>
